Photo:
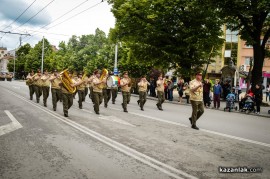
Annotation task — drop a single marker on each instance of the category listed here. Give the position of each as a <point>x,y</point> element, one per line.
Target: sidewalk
<point>263,113</point>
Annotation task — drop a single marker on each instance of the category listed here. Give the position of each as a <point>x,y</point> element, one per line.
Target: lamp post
<point>115,70</point>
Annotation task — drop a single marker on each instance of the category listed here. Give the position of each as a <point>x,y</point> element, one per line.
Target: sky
<point>56,20</point>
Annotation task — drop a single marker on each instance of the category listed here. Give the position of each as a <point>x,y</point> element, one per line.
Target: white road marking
<point>167,169</point>
<point>16,87</point>
<point>205,130</point>
<point>14,125</point>
<point>115,119</point>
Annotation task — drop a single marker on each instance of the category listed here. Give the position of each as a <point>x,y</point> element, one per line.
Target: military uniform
<point>160,93</point>
<point>55,90</point>
<point>142,93</point>
<point>97,94</point>
<point>125,84</point>
<point>86,86</point>
<point>196,100</point>
<point>91,92</point>
<point>81,91</point>
<point>106,92</point>
<point>29,83</point>
<point>67,98</point>
<point>38,86</point>
<point>45,88</point>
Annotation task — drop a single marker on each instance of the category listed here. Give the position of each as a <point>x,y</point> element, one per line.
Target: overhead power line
<point>64,14</point>
<point>20,15</point>
<point>68,18</point>
<point>35,14</point>
<point>77,14</point>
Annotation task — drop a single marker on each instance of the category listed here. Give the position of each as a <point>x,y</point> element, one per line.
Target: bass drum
<point>112,81</point>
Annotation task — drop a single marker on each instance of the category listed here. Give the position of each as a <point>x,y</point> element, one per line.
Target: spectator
<point>267,92</point>
<point>180,89</point>
<point>187,92</point>
<point>217,92</point>
<point>258,97</point>
<point>226,89</point>
<point>166,87</point>
<point>152,87</point>
<point>206,93</point>
<point>170,90</point>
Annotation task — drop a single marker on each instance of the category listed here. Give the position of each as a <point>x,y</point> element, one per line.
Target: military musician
<point>125,84</point>
<point>142,91</point>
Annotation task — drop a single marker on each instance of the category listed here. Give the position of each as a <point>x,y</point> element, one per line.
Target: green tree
<point>251,18</point>
<point>177,33</point>
<point>34,57</point>
<point>21,54</point>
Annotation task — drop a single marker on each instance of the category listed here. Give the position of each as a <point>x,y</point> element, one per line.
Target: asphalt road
<point>37,142</point>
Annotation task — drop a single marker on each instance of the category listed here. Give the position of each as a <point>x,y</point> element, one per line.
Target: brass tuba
<point>103,75</point>
<point>66,80</point>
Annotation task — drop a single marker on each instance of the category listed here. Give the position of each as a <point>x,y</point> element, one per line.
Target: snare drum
<point>112,81</point>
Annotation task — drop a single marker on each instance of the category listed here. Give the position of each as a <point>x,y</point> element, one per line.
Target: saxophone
<point>66,80</point>
<point>103,75</point>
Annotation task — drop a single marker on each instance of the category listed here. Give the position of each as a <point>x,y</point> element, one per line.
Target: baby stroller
<point>248,105</point>
<point>230,102</point>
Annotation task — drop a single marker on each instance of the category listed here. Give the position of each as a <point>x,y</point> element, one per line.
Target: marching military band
<point>102,87</point>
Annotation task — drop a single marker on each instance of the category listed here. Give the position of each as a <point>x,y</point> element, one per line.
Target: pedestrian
<point>258,94</point>
<point>170,90</point>
<point>238,91</point>
<point>180,89</point>
<point>217,89</point>
<point>267,92</point>
<point>187,92</point>
<point>226,89</point>
<point>152,87</point>
<point>166,87</point>
<point>125,84</point>
<point>160,92</point>
<point>142,91</point>
<point>196,99</point>
<point>206,93</point>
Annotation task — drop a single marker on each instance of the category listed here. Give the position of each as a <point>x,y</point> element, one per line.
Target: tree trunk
<point>258,53</point>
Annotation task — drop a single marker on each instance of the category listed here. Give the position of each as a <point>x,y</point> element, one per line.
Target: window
<point>247,60</point>
<point>248,46</point>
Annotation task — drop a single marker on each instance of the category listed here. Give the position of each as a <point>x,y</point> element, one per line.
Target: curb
<point>174,102</point>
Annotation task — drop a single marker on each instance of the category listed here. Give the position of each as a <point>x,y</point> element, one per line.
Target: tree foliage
<point>252,19</point>
<point>179,34</point>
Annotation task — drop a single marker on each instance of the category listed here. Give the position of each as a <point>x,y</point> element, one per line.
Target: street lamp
<point>115,70</point>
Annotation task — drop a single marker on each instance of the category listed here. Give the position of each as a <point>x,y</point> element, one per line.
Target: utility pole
<point>115,70</point>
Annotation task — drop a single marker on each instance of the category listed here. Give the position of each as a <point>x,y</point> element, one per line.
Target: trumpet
<point>66,80</point>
